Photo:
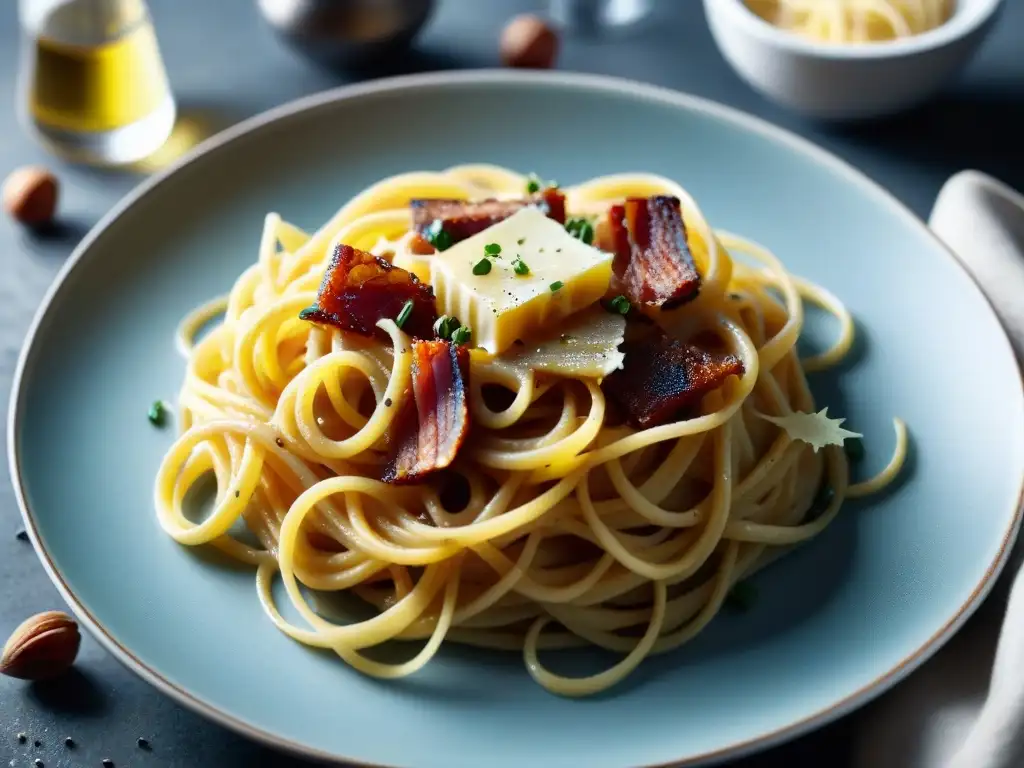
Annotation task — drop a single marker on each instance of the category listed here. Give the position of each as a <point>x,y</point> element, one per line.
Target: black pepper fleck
<point>143,744</point>
<point>69,743</point>
<point>387,402</point>
<point>37,743</point>
<point>22,738</point>
<point>37,763</point>
<point>108,763</point>
<point>237,494</point>
<point>280,442</point>
<point>21,535</point>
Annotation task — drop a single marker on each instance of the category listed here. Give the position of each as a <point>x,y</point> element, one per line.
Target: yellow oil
<point>94,88</point>
<point>97,88</point>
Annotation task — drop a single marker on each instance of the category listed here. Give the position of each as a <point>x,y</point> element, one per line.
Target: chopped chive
<point>492,249</point>
<point>556,286</point>
<point>461,335</point>
<point>619,304</point>
<point>854,448</point>
<point>404,313</point>
<point>482,267</point>
<point>742,596</point>
<point>519,267</point>
<point>157,413</point>
<point>581,229</point>
<point>533,183</point>
<point>520,241</point>
<point>308,312</point>
<point>437,236</point>
<point>445,326</point>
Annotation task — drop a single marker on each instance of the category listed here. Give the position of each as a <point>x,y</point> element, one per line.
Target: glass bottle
<point>590,16</point>
<point>94,88</point>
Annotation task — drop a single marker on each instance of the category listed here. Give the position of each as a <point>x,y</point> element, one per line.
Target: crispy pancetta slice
<point>359,289</point>
<point>434,422</point>
<point>445,222</point>
<point>653,263</point>
<point>661,377</point>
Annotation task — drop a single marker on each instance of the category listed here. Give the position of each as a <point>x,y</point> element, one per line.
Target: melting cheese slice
<point>503,306</point>
<point>586,345</point>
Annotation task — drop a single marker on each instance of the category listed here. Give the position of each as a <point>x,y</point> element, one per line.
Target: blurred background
<point>221,61</point>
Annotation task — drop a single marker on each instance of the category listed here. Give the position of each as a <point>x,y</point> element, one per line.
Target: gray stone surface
<point>224,65</point>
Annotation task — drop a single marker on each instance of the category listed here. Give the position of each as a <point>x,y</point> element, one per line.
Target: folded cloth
<point>964,708</point>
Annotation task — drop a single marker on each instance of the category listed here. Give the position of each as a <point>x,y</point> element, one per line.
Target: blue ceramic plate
<point>837,622</point>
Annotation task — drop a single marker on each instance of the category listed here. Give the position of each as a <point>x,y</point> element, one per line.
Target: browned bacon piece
<point>359,289</point>
<point>663,376</point>
<point>434,421</point>
<point>461,219</point>
<point>653,264</point>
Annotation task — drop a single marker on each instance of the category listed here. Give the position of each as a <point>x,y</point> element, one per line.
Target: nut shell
<point>529,42</point>
<point>42,647</point>
<point>30,195</point>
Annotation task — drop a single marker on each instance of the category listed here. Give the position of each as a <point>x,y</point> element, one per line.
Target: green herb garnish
<point>492,249</point>
<point>854,448</point>
<point>404,313</point>
<point>581,229</point>
<point>535,184</point>
<point>461,335</point>
<point>445,326</point>
<point>519,267</point>
<point>556,286</point>
<point>619,304</point>
<point>482,267</point>
<point>437,236</point>
<point>308,312</point>
<point>742,596</point>
<point>157,413</point>
<point>521,240</point>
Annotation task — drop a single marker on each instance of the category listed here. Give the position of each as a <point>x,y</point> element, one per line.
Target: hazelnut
<point>528,41</point>
<point>30,195</point>
<point>43,647</point>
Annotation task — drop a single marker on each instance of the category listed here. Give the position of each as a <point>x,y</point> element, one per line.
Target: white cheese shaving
<point>586,345</point>
<point>815,429</point>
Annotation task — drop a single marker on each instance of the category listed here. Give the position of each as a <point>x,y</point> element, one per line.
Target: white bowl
<point>847,81</point>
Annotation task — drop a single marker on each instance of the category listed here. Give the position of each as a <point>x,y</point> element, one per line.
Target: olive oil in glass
<point>94,88</point>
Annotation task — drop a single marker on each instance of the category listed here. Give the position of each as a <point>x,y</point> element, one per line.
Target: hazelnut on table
<point>30,195</point>
<point>529,42</point>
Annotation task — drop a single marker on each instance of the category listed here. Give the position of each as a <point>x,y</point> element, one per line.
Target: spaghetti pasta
<point>557,525</point>
<point>854,21</point>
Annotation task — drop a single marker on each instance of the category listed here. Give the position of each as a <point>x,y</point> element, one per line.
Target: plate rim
<point>571,80</point>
